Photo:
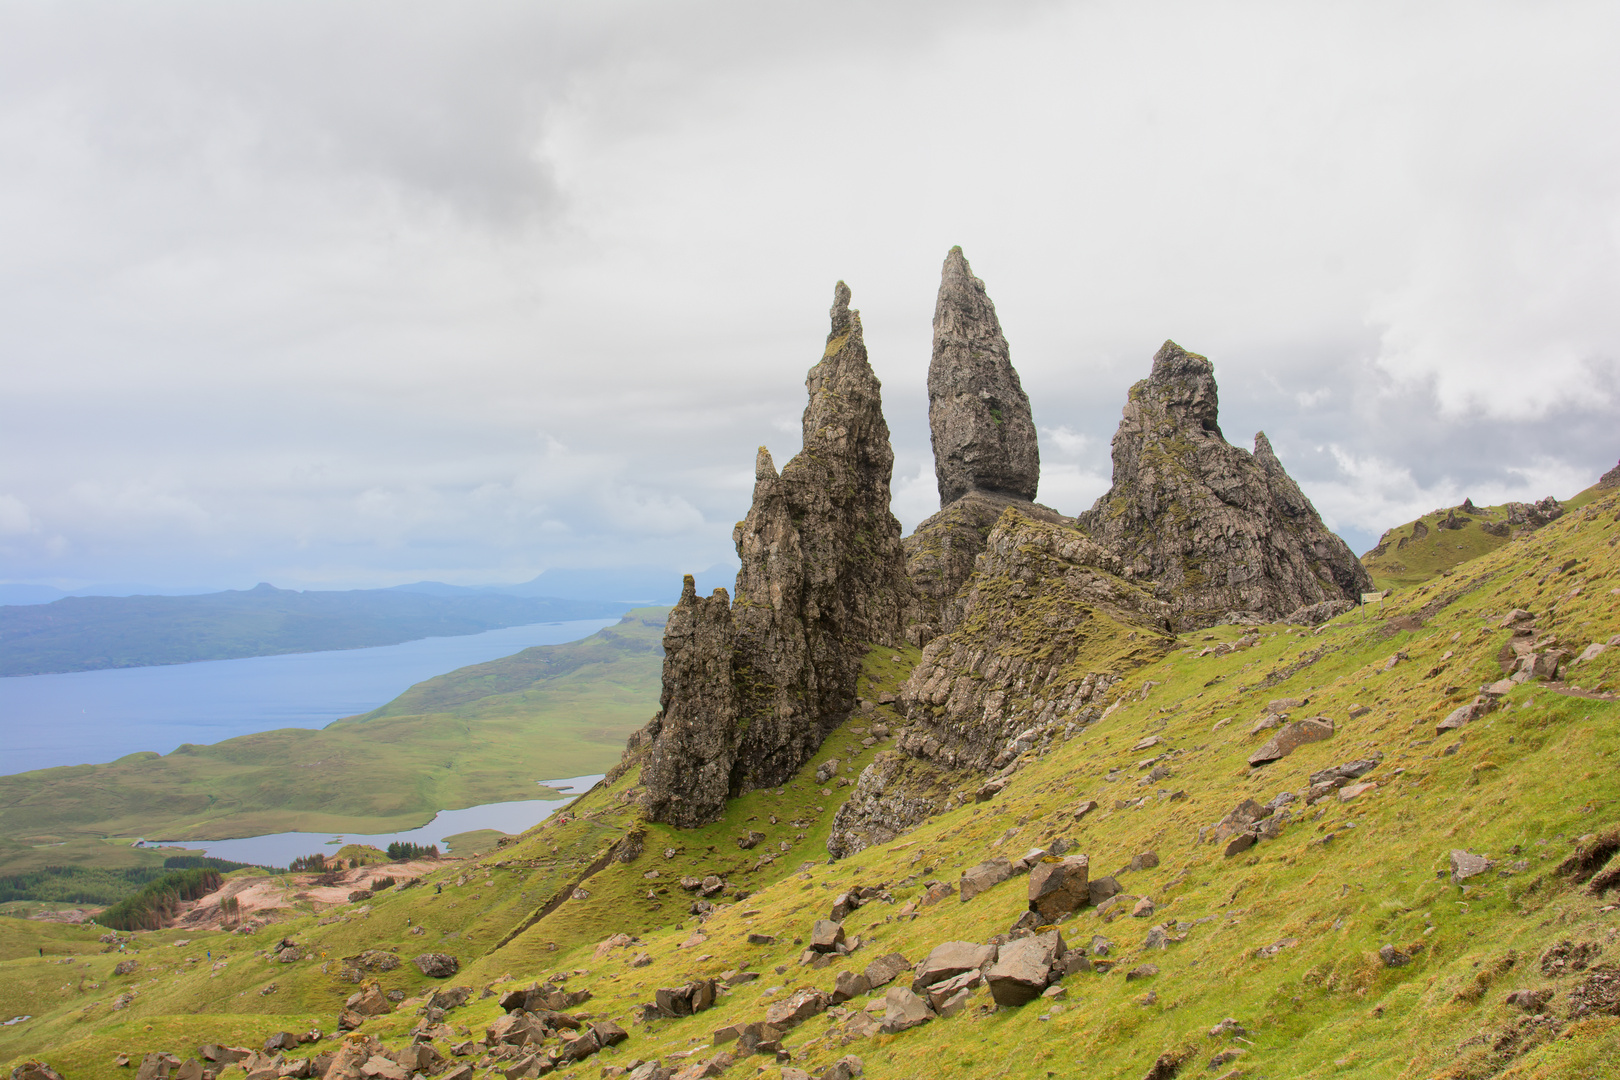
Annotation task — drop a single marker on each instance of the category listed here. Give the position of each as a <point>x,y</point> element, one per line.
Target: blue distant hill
<point>86,633</point>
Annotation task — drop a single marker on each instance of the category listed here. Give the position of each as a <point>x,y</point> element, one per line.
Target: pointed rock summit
<point>1210,528</point>
<point>984,437</point>
<point>985,453</point>
<point>752,685</point>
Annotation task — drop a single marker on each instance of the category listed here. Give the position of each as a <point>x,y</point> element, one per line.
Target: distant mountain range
<point>86,633</point>
<point>632,584</point>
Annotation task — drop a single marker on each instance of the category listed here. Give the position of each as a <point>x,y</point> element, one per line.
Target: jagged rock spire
<point>983,434</point>
<point>752,689</point>
<point>1210,528</point>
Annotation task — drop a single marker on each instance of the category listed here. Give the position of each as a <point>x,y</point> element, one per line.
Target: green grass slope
<point>86,633</point>
<point>481,734</point>
<point>1284,937</point>
<point>1412,553</point>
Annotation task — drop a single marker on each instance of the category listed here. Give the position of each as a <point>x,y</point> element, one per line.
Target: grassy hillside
<point>482,734</point>
<point>85,633</point>
<point>1284,938</point>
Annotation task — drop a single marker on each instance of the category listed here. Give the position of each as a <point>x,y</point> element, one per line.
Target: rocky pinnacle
<point>1209,527</point>
<point>984,437</point>
<point>751,691</point>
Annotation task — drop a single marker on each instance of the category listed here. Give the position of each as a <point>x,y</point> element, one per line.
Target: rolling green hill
<point>86,633</point>
<point>482,734</point>
<point>1341,946</point>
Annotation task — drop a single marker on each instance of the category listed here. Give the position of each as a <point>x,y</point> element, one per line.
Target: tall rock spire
<point>1209,527</point>
<point>985,454</point>
<point>750,691</point>
<point>984,437</point>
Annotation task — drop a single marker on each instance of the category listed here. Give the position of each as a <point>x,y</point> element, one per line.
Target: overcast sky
<point>351,294</point>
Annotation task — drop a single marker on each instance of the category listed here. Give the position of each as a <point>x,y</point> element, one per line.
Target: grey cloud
<point>314,293</point>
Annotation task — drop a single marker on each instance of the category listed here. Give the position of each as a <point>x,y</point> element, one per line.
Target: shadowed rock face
<point>984,438</point>
<point>1213,528</point>
<point>750,691</point>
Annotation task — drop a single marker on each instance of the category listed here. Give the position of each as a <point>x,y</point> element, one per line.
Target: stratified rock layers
<point>749,695</point>
<point>983,434</point>
<point>1212,528</point>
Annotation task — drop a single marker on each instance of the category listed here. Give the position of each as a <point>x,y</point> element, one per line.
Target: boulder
<point>798,1007</point>
<point>1291,737</point>
<point>579,1047</point>
<point>1102,889</point>
<point>608,1033</point>
<point>826,936</point>
<point>948,959</point>
<point>849,984</point>
<point>1464,715</point>
<point>903,1010</point>
<point>941,992</point>
<point>884,969</point>
<point>281,1040</point>
<point>377,1067</point>
<point>685,1000</point>
<point>1024,968</point>
<point>35,1070</point>
<point>751,840</point>
<point>978,879</point>
<point>368,1001</point>
<point>1059,886</point>
<point>437,965</point>
<point>1465,865</point>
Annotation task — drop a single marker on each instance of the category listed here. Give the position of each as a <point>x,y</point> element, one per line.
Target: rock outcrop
<point>1210,528</point>
<point>940,555</point>
<point>1043,629</point>
<point>984,437</point>
<point>1610,479</point>
<point>753,684</point>
<point>985,453</point>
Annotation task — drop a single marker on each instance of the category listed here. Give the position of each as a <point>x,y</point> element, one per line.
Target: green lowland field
<point>481,734</point>
<point>86,633</point>
<point>1283,938</point>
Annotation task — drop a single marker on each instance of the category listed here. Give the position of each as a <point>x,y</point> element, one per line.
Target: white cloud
<point>289,293</point>
<point>14,517</point>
